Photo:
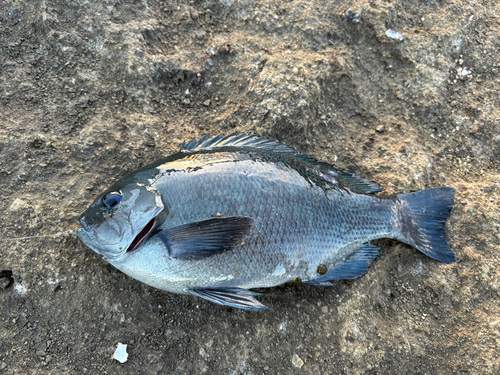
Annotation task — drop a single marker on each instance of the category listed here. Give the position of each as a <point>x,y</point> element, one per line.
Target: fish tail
<point>421,219</point>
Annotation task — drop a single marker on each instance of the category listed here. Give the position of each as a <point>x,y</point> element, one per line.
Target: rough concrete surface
<point>91,90</point>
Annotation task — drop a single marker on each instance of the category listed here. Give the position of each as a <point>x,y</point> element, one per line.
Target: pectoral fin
<point>207,237</point>
<point>352,268</point>
<point>234,297</point>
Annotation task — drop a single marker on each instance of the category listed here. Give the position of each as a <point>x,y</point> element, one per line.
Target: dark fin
<point>233,140</point>
<point>354,182</point>
<point>352,268</point>
<point>320,173</point>
<point>205,238</point>
<point>234,297</point>
<point>423,216</point>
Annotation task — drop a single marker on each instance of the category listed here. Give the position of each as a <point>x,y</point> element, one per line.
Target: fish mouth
<point>142,236</point>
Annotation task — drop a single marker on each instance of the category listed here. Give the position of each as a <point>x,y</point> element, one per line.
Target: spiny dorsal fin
<point>322,174</point>
<point>233,140</point>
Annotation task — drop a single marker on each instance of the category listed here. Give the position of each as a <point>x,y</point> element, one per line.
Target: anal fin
<point>234,297</point>
<point>352,268</point>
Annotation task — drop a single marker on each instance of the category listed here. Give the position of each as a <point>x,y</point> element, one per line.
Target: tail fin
<point>423,215</point>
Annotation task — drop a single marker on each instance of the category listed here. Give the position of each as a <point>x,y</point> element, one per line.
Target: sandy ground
<point>91,90</point>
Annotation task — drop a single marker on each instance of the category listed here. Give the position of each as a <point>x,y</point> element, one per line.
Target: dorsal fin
<point>233,140</point>
<point>322,174</point>
<point>356,183</point>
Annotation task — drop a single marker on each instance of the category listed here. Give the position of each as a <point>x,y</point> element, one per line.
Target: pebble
<point>297,361</point>
<point>207,102</point>
<point>194,14</point>
<point>20,289</point>
<point>17,205</point>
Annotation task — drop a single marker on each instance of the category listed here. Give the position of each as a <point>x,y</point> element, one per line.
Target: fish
<point>230,214</point>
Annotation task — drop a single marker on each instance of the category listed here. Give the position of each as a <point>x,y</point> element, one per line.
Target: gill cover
<point>117,217</point>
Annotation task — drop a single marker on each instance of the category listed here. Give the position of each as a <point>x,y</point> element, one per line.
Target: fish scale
<point>228,214</point>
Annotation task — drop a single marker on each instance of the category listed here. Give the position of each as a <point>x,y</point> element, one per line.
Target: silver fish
<point>228,214</point>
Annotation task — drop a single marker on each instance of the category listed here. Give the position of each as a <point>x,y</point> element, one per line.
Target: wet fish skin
<point>240,212</point>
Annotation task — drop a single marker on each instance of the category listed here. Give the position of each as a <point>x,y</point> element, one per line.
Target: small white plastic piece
<point>121,354</point>
<point>394,35</point>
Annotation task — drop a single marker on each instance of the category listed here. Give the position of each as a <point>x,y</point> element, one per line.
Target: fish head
<point>121,219</point>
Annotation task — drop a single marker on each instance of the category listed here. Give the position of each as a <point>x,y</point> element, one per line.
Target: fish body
<point>228,214</point>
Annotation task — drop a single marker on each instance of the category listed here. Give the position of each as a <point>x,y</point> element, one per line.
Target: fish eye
<point>111,200</point>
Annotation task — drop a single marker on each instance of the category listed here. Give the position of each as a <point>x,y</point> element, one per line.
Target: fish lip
<point>83,223</point>
<point>80,232</point>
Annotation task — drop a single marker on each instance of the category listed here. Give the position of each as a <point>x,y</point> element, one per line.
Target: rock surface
<point>91,90</point>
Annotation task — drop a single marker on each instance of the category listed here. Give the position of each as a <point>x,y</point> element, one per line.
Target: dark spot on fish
<point>322,269</point>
